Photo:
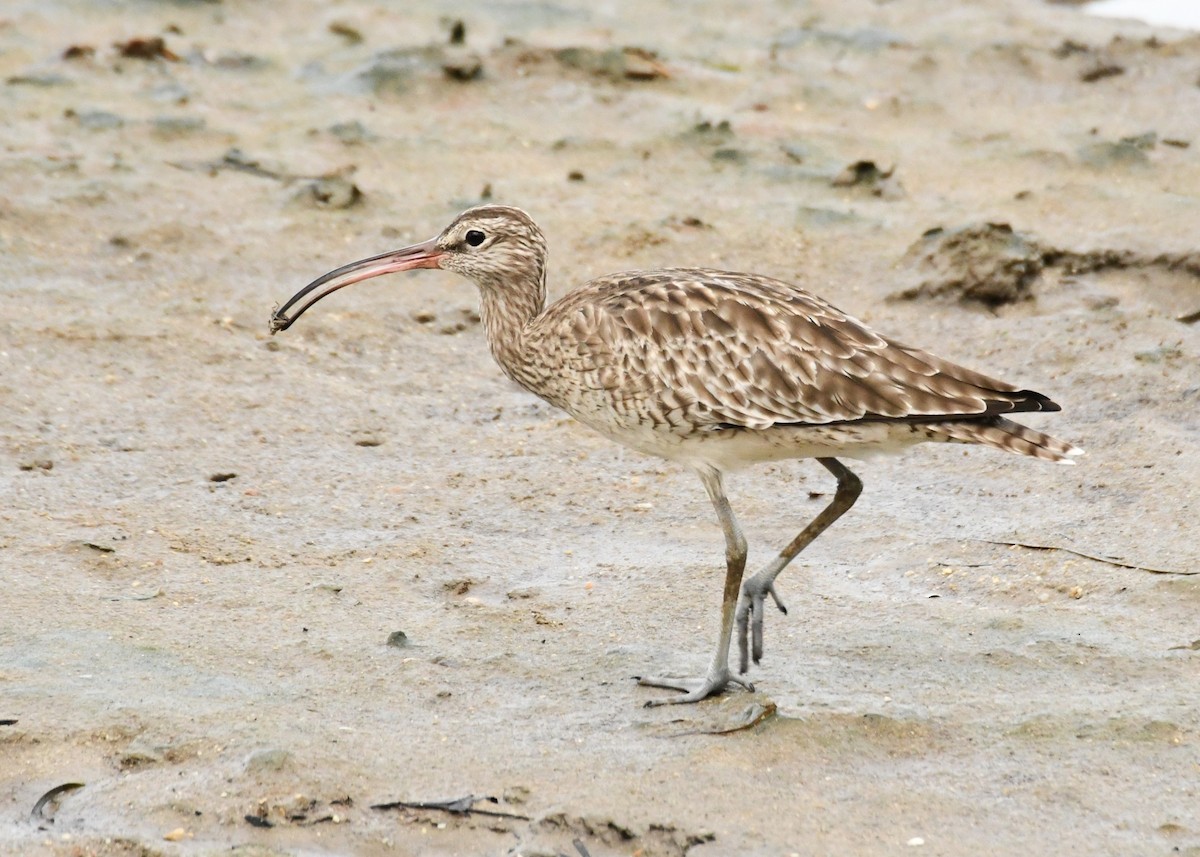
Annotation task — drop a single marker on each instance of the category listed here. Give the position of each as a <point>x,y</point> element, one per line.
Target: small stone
<point>177,126</point>
<point>1142,141</point>
<point>1101,71</point>
<point>268,760</point>
<point>329,192</point>
<point>347,31</point>
<point>38,78</point>
<point>1159,355</point>
<point>237,61</point>
<point>350,133</point>
<point>736,156</point>
<point>1121,154</point>
<point>96,120</point>
<point>152,48</point>
<point>462,65</point>
<point>171,92</point>
<point>398,640</point>
<point>175,835</point>
<point>392,72</point>
<point>515,795</point>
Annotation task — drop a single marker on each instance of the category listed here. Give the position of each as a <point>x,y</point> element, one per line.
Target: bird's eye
<point>475,237</point>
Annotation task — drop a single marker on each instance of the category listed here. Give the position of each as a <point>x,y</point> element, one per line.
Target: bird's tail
<point>1004,434</point>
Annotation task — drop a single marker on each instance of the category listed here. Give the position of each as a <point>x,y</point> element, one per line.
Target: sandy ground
<point>207,536</point>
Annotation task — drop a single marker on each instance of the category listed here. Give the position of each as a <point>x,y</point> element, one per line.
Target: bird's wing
<point>735,350</point>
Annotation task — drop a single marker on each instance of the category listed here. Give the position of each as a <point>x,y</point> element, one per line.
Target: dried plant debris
<point>621,63</point>
<point>39,78</point>
<point>396,71</point>
<point>298,811</point>
<point>39,808</point>
<point>657,838</point>
<point>1107,560</point>
<point>725,722</point>
<point>234,159</point>
<point>1093,63</point>
<point>624,63</point>
<point>1100,71</point>
<point>992,264</point>
<point>454,806</point>
<point>331,190</point>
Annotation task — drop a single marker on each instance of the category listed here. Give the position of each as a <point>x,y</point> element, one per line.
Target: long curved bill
<point>424,255</point>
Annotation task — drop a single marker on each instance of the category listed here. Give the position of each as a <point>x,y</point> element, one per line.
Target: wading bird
<point>714,370</point>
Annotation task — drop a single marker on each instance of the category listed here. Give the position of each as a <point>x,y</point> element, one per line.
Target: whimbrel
<point>714,370</point>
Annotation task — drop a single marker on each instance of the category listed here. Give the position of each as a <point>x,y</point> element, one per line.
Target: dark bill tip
<point>424,255</point>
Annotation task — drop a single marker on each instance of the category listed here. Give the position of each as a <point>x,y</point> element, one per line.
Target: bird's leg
<point>719,676</point>
<point>750,608</point>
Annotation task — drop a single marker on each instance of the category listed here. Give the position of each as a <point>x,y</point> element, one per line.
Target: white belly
<point>730,449</point>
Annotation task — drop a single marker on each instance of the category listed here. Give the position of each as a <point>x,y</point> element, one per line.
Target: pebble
<point>268,760</point>
<point>331,192</point>
<point>96,120</point>
<point>177,126</point>
<point>350,133</point>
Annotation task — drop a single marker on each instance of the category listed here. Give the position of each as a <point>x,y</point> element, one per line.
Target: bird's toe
<point>694,690</point>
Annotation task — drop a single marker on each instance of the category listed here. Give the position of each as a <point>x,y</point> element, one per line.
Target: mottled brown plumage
<point>715,370</point>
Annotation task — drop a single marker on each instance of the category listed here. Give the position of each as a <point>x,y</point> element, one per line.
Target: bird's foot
<point>750,619</point>
<point>694,690</point>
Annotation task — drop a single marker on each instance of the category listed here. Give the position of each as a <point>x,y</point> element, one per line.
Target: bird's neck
<point>507,308</point>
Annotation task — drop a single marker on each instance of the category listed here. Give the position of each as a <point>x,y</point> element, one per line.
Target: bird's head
<point>496,246</point>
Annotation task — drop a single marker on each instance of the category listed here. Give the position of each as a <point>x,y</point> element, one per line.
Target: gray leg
<point>718,676</point>
<point>750,610</point>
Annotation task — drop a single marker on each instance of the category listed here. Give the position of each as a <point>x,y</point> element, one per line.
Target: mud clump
<point>987,263</point>
<point>994,265</point>
<point>869,176</point>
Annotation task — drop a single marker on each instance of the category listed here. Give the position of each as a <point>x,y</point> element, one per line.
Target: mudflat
<point>313,593</point>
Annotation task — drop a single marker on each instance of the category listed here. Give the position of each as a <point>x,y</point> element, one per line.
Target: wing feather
<point>715,349</point>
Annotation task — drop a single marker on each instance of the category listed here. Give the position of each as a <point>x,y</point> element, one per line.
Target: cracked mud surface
<point>209,536</point>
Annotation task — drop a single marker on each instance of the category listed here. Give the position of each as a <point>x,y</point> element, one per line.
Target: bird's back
<point>690,349</point>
